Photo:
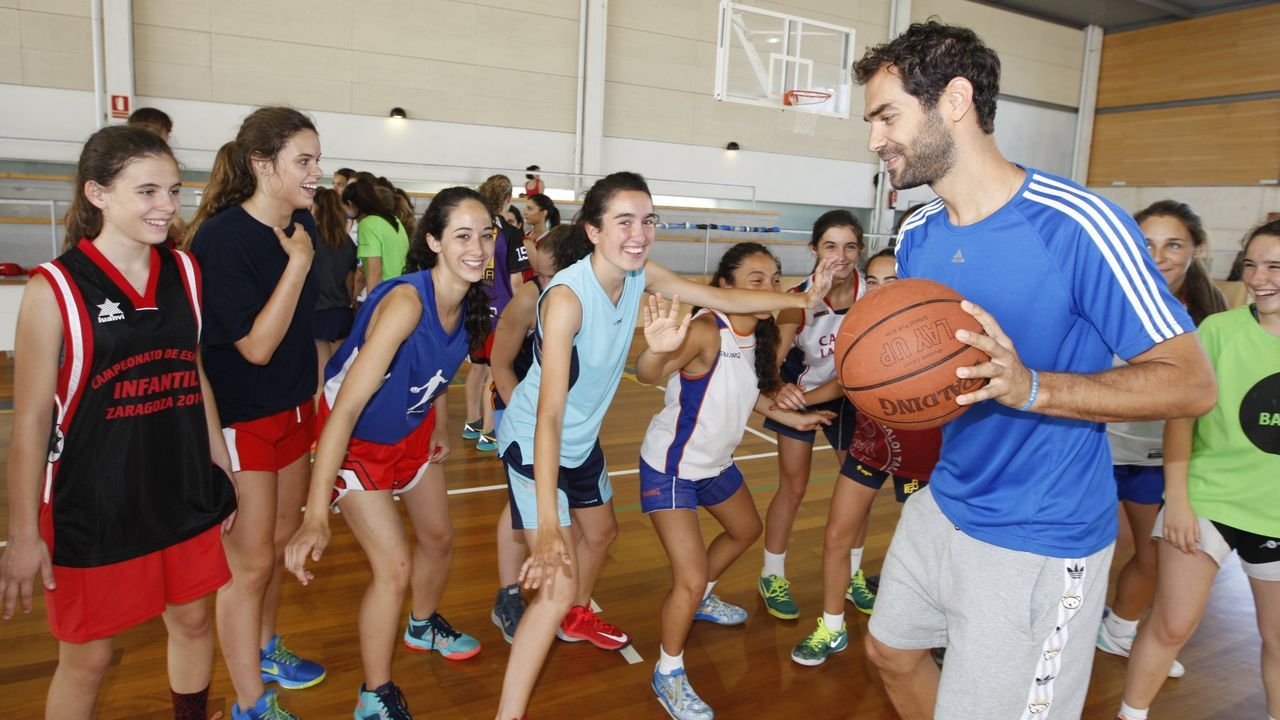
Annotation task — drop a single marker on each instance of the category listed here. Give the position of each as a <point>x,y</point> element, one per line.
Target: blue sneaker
<point>279,665</point>
<point>678,698</point>
<point>385,703</point>
<point>487,443</point>
<point>435,633</point>
<point>472,430</point>
<point>265,709</point>
<point>508,608</point>
<point>715,610</point>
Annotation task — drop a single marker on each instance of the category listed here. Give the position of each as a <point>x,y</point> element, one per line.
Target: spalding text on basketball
<point>947,393</point>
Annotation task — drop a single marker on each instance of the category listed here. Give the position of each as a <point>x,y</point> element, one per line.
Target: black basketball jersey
<point>129,468</point>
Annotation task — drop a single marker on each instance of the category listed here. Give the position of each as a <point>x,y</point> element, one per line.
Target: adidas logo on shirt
<point>958,257</point>
<point>109,311</point>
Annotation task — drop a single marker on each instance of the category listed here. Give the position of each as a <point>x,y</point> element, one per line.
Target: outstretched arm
<point>735,300</point>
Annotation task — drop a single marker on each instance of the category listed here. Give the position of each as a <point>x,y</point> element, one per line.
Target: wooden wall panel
<point>1227,54</point>
<point>1228,144</point>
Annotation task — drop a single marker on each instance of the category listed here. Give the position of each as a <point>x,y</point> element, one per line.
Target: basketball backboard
<point>762,55</point>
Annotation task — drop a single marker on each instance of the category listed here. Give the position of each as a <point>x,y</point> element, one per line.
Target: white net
<point>806,121</point>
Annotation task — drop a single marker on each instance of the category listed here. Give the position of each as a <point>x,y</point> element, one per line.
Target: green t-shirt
<point>377,238</point>
<point>1234,475</point>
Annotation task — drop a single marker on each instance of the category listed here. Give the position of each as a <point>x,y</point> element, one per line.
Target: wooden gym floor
<point>743,672</point>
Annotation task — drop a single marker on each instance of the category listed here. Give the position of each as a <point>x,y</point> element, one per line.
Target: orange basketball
<point>897,354</point>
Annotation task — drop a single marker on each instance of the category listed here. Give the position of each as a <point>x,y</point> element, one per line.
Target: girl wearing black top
<point>253,239</point>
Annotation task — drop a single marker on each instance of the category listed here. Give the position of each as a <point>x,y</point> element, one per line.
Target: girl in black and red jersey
<point>252,236</point>
<point>118,511</point>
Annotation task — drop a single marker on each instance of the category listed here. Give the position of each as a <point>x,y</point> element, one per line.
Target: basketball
<point>897,354</point>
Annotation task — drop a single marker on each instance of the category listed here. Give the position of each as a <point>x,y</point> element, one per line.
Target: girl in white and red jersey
<point>717,375</point>
<point>877,454</point>
<point>808,337</point>
<point>119,510</point>
<point>385,418</point>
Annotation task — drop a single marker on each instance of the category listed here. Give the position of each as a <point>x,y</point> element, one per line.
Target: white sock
<point>710,586</point>
<point>774,564</point>
<point>834,623</point>
<point>1128,713</point>
<point>668,664</point>
<point>855,561</point>
<point>1120,627</point>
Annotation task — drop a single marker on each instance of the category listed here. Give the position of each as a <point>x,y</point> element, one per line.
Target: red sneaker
<point>582,624</point>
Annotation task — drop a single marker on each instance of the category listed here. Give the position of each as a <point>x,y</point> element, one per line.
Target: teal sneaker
<point>678,698</point>
<point>776,592</point>
<point>473,430</point>
<point>267,708</point>
<point>814,649</point>
<point>279,665</point>
<point>385,703</point>
<point>487,443</point>
<point>435,633</point>
<point>715,610</point>
<point>859,594</point>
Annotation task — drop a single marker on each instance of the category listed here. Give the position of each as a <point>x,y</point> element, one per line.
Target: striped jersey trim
<point>1117,247</point>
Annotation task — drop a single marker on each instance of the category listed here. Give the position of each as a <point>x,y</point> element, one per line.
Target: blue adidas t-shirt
<point>1068,277</point>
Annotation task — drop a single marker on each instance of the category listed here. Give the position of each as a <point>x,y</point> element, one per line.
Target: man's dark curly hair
<point>929,55</point>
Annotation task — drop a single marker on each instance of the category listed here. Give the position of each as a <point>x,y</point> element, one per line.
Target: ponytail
<point>232,181</point>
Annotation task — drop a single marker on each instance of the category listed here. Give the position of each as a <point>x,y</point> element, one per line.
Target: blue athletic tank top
<point>419,372</point>
<point>599,355</point>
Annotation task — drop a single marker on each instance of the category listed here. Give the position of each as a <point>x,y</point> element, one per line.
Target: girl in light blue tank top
<point>549,436</point>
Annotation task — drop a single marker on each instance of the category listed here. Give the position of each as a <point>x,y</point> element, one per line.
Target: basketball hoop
<point>806,103</point>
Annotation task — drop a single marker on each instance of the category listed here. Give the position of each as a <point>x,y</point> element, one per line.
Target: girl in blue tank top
<point>385,434</point>
<point>549,433</point>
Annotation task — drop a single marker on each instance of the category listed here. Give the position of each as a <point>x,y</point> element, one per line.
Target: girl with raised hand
<point>725,367</point>
<point>252,236</point>
<point>1177,241</point>
<point>385,416</point>
<point>118,509</point>
<point>808,341</point>
<point>877,454</point>
<point>511,358</point>
<point>549,437</point>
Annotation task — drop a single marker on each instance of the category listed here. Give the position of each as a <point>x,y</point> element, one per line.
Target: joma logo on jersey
<point>109,311</point>
<point>927,337</point>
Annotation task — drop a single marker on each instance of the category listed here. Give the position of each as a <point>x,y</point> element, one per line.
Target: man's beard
<point>929,158</point>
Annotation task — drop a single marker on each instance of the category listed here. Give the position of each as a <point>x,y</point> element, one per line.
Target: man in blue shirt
<point>1003,559</point>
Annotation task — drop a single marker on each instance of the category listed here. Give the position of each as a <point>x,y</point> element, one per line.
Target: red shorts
<point>99,602</point>
<point>271,443</point>
<point>481,356</point>
<point>374,466</point>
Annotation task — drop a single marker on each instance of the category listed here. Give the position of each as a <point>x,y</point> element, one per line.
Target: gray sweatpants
<point>1019,628</point>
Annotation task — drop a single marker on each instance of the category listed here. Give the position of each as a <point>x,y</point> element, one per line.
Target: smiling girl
<point>1221,496</point>
<point>118,510</point>
<point>253,240</point>
<point>808,339</point>
<point>1177,241</point>
<point>725,367</point>
<point>549,437</point>
<point>385,434</point>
